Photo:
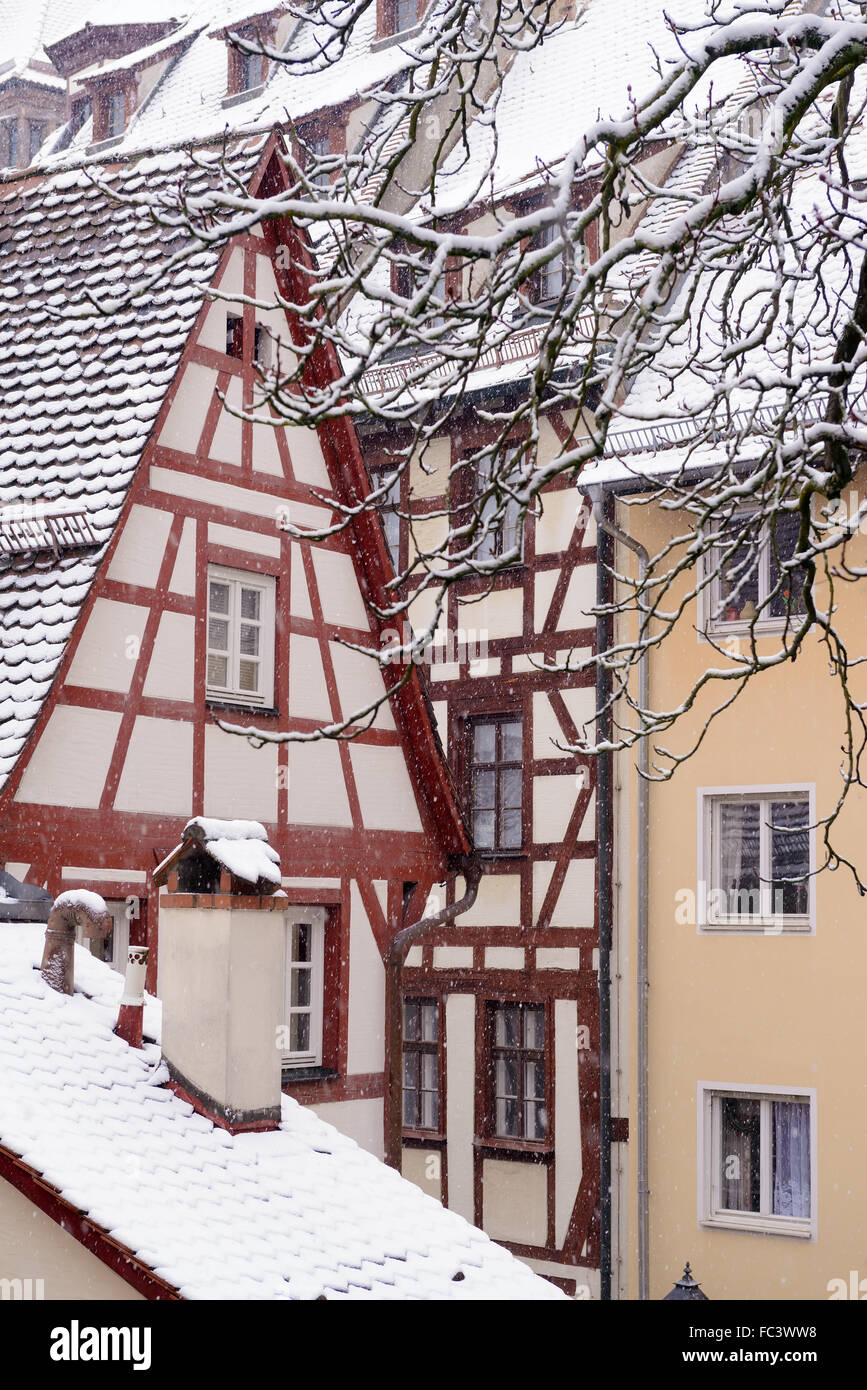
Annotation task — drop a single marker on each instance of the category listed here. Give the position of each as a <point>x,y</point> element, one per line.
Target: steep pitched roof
<point>299,1213</point>
<point>80,388</point>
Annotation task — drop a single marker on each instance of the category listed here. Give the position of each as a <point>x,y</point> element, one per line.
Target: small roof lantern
<point>221,856</point>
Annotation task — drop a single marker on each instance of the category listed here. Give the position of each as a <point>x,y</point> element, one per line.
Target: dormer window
<point>116,114</point>
<point>252,71</point>
<point>247,71</point>
<point>398,16</point>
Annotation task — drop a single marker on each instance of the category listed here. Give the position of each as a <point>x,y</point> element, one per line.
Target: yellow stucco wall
<point>763,1010</point>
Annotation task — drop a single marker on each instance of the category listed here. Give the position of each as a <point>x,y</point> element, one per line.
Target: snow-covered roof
<point>79,390</point>
<point>298,1213</point>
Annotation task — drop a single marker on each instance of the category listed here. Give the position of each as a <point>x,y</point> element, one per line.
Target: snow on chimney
<point>131,1013</point>
<point>76,908</point>
<point>221,945</point>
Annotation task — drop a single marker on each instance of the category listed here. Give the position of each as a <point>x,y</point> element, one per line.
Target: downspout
<point>641,932</point>
<point>397,951</point>
<point>604,855</point>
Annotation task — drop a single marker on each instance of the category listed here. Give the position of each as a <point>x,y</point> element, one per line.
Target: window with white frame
<point>757,1154</point>
<point>304,988</point>
<point>113,948</point>
<point>551,277</point>
<point>749,589</point>
<point>240,664</point>
<point>758,860</point>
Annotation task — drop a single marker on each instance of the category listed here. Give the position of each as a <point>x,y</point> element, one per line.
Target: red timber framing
<point>543,580</point>
<point>323,861</point>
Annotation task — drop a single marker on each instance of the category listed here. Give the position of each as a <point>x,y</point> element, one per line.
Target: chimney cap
<point>239,847</point>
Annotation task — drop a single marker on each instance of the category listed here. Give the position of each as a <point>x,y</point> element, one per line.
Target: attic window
<point>234,335</point>
<point>81,112</point>
<point>398,16</point>
<point>116,114</point>
<point>247,71</point>
<point>252,71</point>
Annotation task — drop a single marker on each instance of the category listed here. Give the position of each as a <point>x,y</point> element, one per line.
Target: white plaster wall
<point>499,615</point>
<point>299,594</point>
<point>385,792</point>
<point>360,682</point>
<point>580,598</point>
<point>213,331</point>
<point>170,672</point>
<point>71,759</point>
<point>567,1116</point>
<point>361,1120</point>
<point>415,1165</point>
<point>574,906</point>
<point>559,514</point>
<point>317,789</point>
<point>183,580</point>
<point>553,803</point>
<point>158,771</point>
<point>225,495</point>
<point>240,781</point>
<point>36,1247</point>
<point>266,454</point>
<point>544,584</point>
<point>366,1025</point>
<point>186,418</point>
<point>106,656</point>
<point>460,1099</point>
<point>515,1201</point>
<point>546,728</point>
<point>339,591</point>
<point>141,546</point>
<point>498,903</point>
<point>305,453</point>
<point>226,443</point>
<point>237,539</point>
<point>308,693</point>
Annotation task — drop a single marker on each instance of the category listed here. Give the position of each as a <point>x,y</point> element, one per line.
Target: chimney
<point>76,908</point>
<point>131,1013</point>
<point>221,964</point>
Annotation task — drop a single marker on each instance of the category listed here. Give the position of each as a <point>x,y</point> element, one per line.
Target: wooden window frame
<point>764,1222</point>
<point>392,506</point>
<point>101,97</point>
<point>421,1048</point>
<point>495,543</point>
<point>266,584</point>
<point>261,33</point>
<point>499,765</point>
<point>316,919</point>
<point>517,1144</point>
<point>387,18</point>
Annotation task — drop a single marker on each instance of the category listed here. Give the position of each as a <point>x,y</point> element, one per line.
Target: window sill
<point>389,40</point>
<point>535,1152</point>
<point>760,1225</point>
<point>423,1139</point>
<point>266,711</point>
<point>236,98</point>
<point>759,926</point>
<point>303,1074</point>
<point>494,855</point>
<point>769,627</point>
<point>108,144</point>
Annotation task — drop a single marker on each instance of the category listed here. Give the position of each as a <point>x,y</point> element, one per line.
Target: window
<point>252,70</point>
<point>748,590</point>
<point>421,1064</point>
<point>234,335</point>
<point>388,512</point>
<point>318,148</point>
<point>519,1104</point>
<point>304,984</point>
<point>116,114</point>
<point>11,132</point>
<point>37,136</point>
<point>113,948</point>
<point>396,16</point>
<point>82,110</point>
<point>507,532</point>
<point>551,277</point>
<point>757,1155</point>
<point>758,849</point>
<point>262,347</point>
<point>496,747</point>
<point>240,637</point>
